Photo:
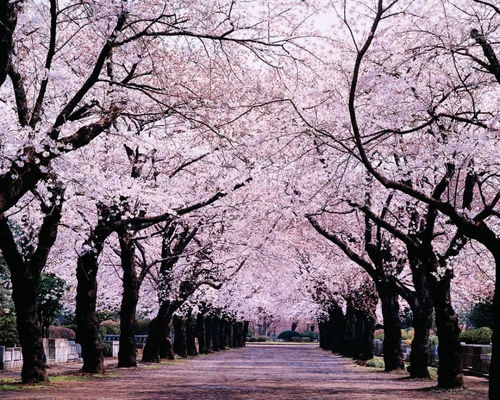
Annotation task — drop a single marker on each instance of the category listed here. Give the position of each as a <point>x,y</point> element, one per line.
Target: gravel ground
<point>257,372</point>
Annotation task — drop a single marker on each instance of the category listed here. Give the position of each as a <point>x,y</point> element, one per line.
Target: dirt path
<point>253,373</point>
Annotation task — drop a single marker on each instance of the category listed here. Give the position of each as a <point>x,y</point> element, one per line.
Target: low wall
<point>57,351</point>
<point>473,357</point>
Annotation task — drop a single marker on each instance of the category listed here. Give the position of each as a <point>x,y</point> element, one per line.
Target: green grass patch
<point>375,362</point>
<point>9,387</point>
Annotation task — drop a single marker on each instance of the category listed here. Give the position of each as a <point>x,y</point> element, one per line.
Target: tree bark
<point>201,333</point>
<point>158,331</point>
<point>244,332</point>
<point>25,279</point>
<point>494,373</point>
<point>87,333</point>
<point>130,298</point>
<point>209,334</point>
<point>180,344</point>
<point>393,355</point>
<point>449,369</point>
<point>421,306</point>
<point>191,337</point>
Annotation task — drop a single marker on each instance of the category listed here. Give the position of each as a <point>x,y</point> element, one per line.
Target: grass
<point>9,387</point>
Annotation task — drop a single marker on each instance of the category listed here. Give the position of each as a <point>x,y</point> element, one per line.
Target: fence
<point>473,357</point>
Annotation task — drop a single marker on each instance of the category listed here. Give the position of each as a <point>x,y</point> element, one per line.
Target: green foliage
<point>406,318</point>
<point>309,334</point>
<point>60,332</point>
<point>5,289</point>
<point>111,314</point>
<point>109,327</point>
<point>481,314</point>
<point>107,350</point>
<point>379,334</point>
<point>49,299</point>
<point>433,339</point>
<point>249,333</point>
<point>142,327</point>
<point>375,362</point>
<point>288,335</point>
<point>477,336</point>
<point>8,330</point>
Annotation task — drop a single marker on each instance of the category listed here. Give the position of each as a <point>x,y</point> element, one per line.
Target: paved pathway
<point>295,372</point>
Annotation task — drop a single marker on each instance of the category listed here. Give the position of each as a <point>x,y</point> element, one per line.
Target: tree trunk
<point>336,330</point>
<point>191,337</point>
<point>208,334</point>
<point>494,374</point>
<point>24,290</point>
<point>215,334</point>
<point>421,306</point>
<point>351,346</point>
<point>25,278</point>
<point>244,332</point>
<point>449,370</point>
<point>393,355</point>
<point>87,333</point>
<point>130,298</point>
<point>201,333</point>
<point>158,331</point>
<point>180,345</point>
<point>366,335</point>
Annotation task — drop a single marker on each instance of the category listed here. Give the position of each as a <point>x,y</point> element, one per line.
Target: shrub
<point>60,332</point>
<point>379,334</point>
<point>481,314</point>
<point>433,339</point>
<point>477,336</point>
<point>288,335</point>
<point>142,327</point>
<point>375,362</point>
<point>107,350</point>
<point>109,327</point>
<point>262,339</point>
<point>252,339</point>
<point>309,334</point>
<point>8,331</point>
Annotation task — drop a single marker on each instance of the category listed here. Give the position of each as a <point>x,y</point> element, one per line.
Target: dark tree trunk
<point>351,346</point>
<point>215,333</point>
<point>180,345</point>
<point>336,329</point>
<point>25,282</point>
<point>366,336</point>
<point>202,334</point>
<point>419,355</point>
<point>449,369</point>
<point>167,346</point>
<point>244,332</point>
<point>191,337</point>
<point>208,334</point>
<point>130,298</point>
<point>158,331</point>
<point>87,333</point>
<point>222,334</point>
<point>421,306</point>
<point>24,290</point>
<point>229,334</point>
<point>322,335</point>
<point>393,355</point>
<point>25,278</point>
<point>494,374</point>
